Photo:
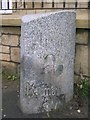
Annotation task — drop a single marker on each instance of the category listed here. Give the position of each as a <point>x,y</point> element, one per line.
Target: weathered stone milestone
<point>47,60</point>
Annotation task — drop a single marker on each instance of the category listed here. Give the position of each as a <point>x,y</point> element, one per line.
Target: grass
<point>81,90</point>
<point>10,76</point>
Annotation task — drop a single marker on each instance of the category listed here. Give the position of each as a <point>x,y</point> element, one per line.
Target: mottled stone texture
<point>47,61</point>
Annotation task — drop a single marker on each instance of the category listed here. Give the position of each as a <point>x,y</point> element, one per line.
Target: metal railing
<point>24,5</point>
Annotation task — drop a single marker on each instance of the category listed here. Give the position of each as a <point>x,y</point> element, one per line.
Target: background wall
<point>10,49</point>
<point>81,56</point>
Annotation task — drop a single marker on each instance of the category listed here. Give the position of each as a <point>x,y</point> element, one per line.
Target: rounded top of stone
<point>31,17</point>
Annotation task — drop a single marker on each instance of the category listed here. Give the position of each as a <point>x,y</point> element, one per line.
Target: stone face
<point>81,59</point>
<point>4,49</point>
<point>15,54</point>
<point>11,40</point>
<point>11,30</point>
<point>82,36</point>
<point>40,11</point>
<point>31,11</point>
<point>9,67</point>
<point>47,61</point>
<point>5,57</point>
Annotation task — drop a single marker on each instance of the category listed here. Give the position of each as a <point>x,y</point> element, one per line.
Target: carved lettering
<point>32,90</point>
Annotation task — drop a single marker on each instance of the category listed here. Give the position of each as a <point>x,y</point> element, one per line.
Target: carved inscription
<point>32,89</point>
<point>49,95</point>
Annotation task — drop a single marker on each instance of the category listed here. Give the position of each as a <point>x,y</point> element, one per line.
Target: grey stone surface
<point>47,60</point>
